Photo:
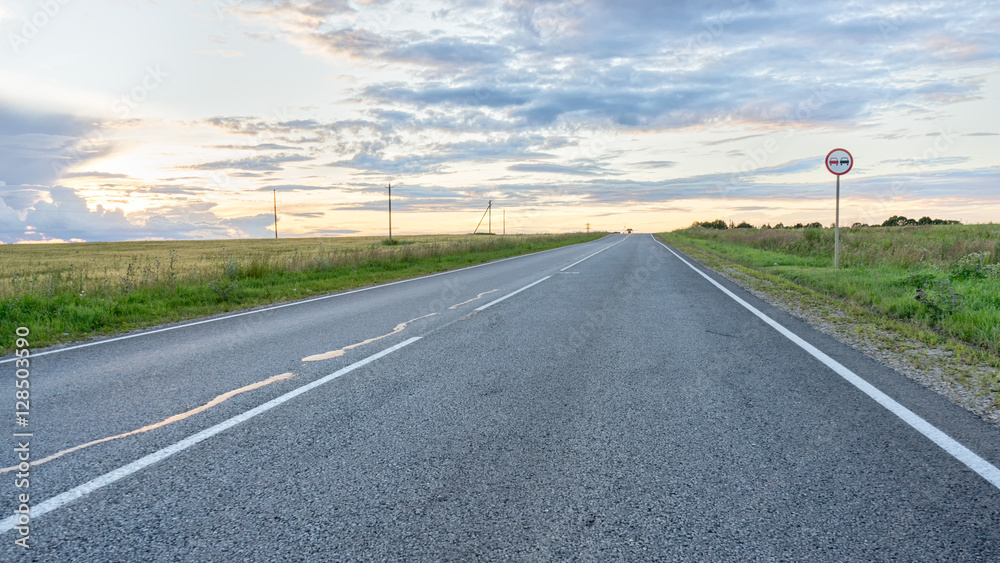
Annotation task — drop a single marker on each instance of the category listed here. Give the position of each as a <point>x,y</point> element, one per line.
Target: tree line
<point>894,221</point>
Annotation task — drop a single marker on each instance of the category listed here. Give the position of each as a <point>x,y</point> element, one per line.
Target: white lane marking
<point>338,353</point>
<point>283,305</point>
<point>492,303</point>
<point>512,294</point>
<point>169,420</point>
<point>592,255</point>
<point>963,454</point>
<point>80,491</point>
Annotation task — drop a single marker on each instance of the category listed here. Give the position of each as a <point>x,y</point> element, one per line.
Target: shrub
<point>974,266</point>
<point>939,299</point>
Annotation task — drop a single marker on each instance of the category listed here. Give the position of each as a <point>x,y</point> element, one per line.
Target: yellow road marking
<point>338,353</point>
<point>480,296</point>
<point>176,418</point>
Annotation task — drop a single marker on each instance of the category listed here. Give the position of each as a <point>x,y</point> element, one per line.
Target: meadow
<point>66,292</point>
<point>944,278</point>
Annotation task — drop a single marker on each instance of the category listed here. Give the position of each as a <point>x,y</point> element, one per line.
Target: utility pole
<point>275,214</point>
<point>588,228</point>
<point>504,221</point>
<point>390,212</point>
<point>490,209</point>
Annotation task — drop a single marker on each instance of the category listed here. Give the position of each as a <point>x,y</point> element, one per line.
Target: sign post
<point>838,162</point>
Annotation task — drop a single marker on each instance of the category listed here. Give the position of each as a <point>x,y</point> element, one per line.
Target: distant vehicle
<point>629,231</point>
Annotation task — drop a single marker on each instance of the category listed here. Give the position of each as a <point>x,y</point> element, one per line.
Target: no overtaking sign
<point>839,161</point>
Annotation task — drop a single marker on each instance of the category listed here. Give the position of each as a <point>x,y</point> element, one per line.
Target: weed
<point>939,299</point>
<point>974,266</point>
<point>223,289</point>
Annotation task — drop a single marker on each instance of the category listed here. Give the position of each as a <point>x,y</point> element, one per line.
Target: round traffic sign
<point>839,162</point>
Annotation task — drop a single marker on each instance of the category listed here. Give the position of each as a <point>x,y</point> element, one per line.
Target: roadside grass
<point>905,288</point>
<point>67,292</point>
<point>942,277</point>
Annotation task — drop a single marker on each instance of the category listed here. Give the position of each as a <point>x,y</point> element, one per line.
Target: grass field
<point>65,292</point>
<point>945,278</point>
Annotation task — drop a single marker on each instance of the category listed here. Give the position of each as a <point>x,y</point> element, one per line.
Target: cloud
<point>581,170</point>
<point>95,175</point>
<point>260,147</point>
<point>292,188</point>
<point>37,148</point>
<point>440,155</point>
<point>254,163</point>
<point>61,214</point>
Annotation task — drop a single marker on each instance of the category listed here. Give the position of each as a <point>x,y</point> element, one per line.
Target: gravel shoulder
<point>968,376</point>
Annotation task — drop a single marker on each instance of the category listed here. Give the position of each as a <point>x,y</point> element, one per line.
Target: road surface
<point>606,401</point>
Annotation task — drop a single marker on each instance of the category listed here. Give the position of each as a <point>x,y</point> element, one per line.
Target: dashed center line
<point>170,420</point>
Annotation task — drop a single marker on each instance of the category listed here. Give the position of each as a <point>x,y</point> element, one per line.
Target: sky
<point>183,119</point>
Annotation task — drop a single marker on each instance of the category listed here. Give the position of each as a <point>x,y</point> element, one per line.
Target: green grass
<point>944,278</point>
<point>66,292</point>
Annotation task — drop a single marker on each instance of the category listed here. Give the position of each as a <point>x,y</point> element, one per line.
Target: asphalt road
<point>622,407</point>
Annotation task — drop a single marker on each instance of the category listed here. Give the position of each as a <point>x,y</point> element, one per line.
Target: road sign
<point>839,162</point>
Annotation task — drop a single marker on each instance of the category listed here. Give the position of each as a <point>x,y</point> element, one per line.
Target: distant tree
<point>898,221</point>
<point>765,226</point>
<point>798,226</point>
<point>743,225</point>
<point>779,226</point>
<point>816,225</point>
<point>717,224</point>
<point>858,225</point>
<point>925,221</point>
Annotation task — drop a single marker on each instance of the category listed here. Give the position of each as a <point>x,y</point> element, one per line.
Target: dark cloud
<point>439,156</point>
<point>37,148</point>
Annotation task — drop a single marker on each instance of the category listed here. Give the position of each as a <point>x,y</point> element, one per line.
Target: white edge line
<point>283,305</point>
<point>511,294</point>
<point>77,492</point>
<point>985,469</point>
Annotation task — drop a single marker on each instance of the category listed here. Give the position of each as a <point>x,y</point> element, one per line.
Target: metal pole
<point>836,236</point>
<point>504,221</point>
<point>390,212</point>
<point>481,219</point>
<point>490,209</point>
<point>275,214</point>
